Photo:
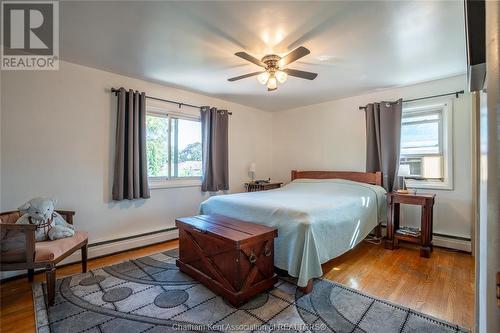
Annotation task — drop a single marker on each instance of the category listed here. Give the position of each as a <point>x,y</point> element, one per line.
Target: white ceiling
<point>355,46</point>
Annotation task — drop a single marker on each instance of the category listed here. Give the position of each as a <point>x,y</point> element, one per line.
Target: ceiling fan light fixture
<point>273,69</point>
<point>263,77</point>
<point>281,76</point>
<point>272,83</point>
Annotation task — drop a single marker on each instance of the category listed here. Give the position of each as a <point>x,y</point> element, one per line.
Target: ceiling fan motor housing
<point>271,62</point>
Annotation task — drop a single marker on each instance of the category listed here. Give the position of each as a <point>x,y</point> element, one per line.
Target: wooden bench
<point>20,251</point>
<point>233,258</point>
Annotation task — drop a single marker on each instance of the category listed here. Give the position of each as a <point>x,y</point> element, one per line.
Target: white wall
<point>57,140</point>
<point>331,136</point>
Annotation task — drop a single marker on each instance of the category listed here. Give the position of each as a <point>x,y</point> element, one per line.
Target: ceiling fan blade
<point>294,55</point>
<point>250,58</point>
<point>301,74</point>
<point>244,76</point>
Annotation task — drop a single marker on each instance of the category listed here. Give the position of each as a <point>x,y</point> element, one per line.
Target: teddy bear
<point>50,224</point>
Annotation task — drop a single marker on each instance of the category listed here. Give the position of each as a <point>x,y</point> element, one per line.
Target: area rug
<point>150,295</point>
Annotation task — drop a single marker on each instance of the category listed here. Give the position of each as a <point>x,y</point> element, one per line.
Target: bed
<point>319,216</point>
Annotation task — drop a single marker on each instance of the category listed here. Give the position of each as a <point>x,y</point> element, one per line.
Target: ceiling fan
<point>274,70</point>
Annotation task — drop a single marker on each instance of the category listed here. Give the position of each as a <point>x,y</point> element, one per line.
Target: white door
<point>489,196</point>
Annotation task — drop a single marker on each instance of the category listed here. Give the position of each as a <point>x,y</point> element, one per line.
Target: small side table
<point>254,187</point>
<point>426,201</point>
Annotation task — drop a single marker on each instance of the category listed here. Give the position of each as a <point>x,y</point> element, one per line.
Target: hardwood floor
<point>442,286</point>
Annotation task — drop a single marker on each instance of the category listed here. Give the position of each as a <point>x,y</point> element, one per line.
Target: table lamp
<point>404,171</point>
<point>251,171</point>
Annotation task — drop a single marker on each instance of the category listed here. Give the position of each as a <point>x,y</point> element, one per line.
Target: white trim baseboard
<point>110,248</point>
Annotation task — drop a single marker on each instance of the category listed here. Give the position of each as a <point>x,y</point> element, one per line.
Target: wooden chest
<point>235,259</point>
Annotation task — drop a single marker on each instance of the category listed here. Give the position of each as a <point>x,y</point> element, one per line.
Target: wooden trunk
<point>235,259</point>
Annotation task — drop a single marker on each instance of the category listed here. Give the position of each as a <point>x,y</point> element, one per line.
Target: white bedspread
<point>317,220</point>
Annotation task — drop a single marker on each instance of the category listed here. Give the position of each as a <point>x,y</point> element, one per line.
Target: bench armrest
<point>17,244</point>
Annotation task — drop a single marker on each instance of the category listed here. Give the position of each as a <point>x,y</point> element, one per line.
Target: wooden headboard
<point>362,177</point>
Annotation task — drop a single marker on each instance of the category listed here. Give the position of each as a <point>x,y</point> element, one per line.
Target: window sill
<point>174,183</point>
<point>425,184</point>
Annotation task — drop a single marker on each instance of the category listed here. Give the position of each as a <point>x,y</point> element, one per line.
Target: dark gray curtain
<point>131,171</point>
<point>214,131</point>
<point>383,136</point>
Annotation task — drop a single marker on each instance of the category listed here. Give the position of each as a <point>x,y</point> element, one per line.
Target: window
<point>173,148</point>
<point>426,150</point>
<point>185,146</point>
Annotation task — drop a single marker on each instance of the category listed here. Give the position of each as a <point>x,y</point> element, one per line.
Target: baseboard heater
<point>131,237</point>
<point>117,245</point>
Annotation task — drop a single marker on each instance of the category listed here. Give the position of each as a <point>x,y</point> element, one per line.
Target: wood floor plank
<point>442,286</point>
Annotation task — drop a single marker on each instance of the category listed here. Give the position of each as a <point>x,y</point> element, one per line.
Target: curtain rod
<point>180,104</point>
<point>456,93</point>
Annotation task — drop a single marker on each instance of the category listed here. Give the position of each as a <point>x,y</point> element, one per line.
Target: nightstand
<point>254,187</point>
<point>395,234</point>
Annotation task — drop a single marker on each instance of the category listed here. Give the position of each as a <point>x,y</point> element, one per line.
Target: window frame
<point>445,144</point>
<point>169,181</point>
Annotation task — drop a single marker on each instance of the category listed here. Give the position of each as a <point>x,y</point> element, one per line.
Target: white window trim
<point>155,183</point>
<point>172,182</point>
<point>447,145</point>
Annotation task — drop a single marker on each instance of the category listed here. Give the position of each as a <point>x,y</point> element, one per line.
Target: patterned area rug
<point>150,295</point>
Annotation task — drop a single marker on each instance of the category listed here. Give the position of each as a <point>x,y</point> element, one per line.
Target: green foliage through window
<point>185,147</point>
<point>157,145</point>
